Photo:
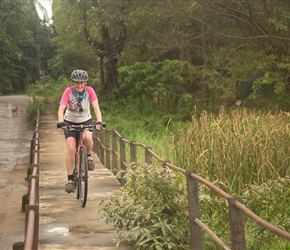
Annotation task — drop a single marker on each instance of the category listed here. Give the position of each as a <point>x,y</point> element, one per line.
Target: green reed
<point>237,148</point>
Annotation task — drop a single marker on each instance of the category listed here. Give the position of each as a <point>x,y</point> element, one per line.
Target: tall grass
<point>235,149</point>
<point>244,152</point>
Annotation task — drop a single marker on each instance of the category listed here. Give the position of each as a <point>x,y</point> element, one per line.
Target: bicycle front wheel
<point>76,175</point>
<point>83,177</point>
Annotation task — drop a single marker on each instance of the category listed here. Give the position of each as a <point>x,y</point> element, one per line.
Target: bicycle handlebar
<point>81,126</point>
<point>103,124</point>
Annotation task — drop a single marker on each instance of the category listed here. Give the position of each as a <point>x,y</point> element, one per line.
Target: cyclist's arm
<point>60,112</point>
<point>97,110</point>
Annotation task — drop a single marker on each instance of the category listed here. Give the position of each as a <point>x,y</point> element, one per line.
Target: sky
<point>47,5</point>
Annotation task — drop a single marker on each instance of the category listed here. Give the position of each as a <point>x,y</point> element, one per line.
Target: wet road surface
<point>16,132</point>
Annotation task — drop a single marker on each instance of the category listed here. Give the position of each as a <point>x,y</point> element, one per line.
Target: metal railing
<point>32,208</point>
<point>110,146</point>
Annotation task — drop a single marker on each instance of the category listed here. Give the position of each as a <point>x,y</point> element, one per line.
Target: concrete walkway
<point>64,224</point>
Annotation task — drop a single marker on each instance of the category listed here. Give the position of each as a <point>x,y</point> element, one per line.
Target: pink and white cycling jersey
<point>73,111</point>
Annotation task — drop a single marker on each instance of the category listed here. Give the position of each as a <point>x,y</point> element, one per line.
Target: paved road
<point>64,224</point>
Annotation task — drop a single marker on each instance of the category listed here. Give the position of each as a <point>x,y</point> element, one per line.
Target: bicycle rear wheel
<point>83,178</point>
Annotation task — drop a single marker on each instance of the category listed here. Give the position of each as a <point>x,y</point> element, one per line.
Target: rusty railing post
<point>31,149</point>
<point>114,150</point>
<point>102,151</point>
<point>133,155</point>
<point>96,147</point>
<point>237,225</point>
<point>148,156</point>
<point>107,144</point>
<point>123,159</point>
<point>193,206</point>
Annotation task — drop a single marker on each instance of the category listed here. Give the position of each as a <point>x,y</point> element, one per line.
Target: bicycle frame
<point>81,162</point>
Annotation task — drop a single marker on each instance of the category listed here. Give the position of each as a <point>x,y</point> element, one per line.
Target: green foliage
<point>32,110</point>
<point>168,80</point>
<point>270,201</point>
<point>73,52</point>
<point>138,81</point>
<point>157,224</point>
<point>124,115</point>
<point>48,88</point>
<point>21,37</point>
<point>49,91</point>
<point>275,70</point>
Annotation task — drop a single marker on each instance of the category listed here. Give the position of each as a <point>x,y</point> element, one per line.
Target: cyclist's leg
<point>70,155</point>
<point>88,137</point>
<point>70,158</point>
<point>89,143</point>
<point>88,140</point>
<point>89,146</point>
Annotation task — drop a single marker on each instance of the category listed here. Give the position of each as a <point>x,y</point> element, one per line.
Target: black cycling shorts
<point>74,133</point>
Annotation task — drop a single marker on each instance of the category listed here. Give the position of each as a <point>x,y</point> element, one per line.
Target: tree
<point>109,40</point>
<point>159,30</point>
<point>102,25</point>
<point>72,50</point>
<point>18,28</point>
<point>254,38</point>
<point>226,41</point>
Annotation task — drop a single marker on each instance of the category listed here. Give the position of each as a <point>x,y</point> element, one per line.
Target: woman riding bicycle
<point>74,109</point>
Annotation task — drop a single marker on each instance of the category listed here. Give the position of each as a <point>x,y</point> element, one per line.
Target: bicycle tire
<point>76,175</point>
<point>83,178</point>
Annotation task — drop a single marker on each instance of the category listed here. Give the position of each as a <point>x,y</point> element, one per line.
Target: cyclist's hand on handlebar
<point>100,124</point>
<point>61,125</point>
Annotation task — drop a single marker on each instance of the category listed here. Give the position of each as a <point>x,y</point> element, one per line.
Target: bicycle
<point>81,163</point>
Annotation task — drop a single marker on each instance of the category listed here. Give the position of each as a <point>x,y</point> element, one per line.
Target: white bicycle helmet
<point>79,75</point>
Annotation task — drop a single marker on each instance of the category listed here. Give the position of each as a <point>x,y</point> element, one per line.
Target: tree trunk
<point>112,73</point>
<point>103,86</point>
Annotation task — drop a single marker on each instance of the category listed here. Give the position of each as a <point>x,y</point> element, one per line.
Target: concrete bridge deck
<point>64,224</point>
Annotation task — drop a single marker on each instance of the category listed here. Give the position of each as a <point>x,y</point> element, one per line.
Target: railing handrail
<point>32,208</point>
<point>106,148</point>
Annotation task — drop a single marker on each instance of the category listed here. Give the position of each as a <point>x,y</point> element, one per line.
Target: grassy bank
<point>244,152</point>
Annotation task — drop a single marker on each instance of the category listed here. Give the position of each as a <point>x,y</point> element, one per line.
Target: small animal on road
<point>14,111</point>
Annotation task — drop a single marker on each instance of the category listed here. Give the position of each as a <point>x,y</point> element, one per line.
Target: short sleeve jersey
<point>73,112</point>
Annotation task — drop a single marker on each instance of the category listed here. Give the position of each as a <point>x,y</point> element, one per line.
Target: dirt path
<point>16,133</point>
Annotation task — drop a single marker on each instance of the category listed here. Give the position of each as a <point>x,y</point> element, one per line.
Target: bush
<point>33,108</point>
<point>158,224</point>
